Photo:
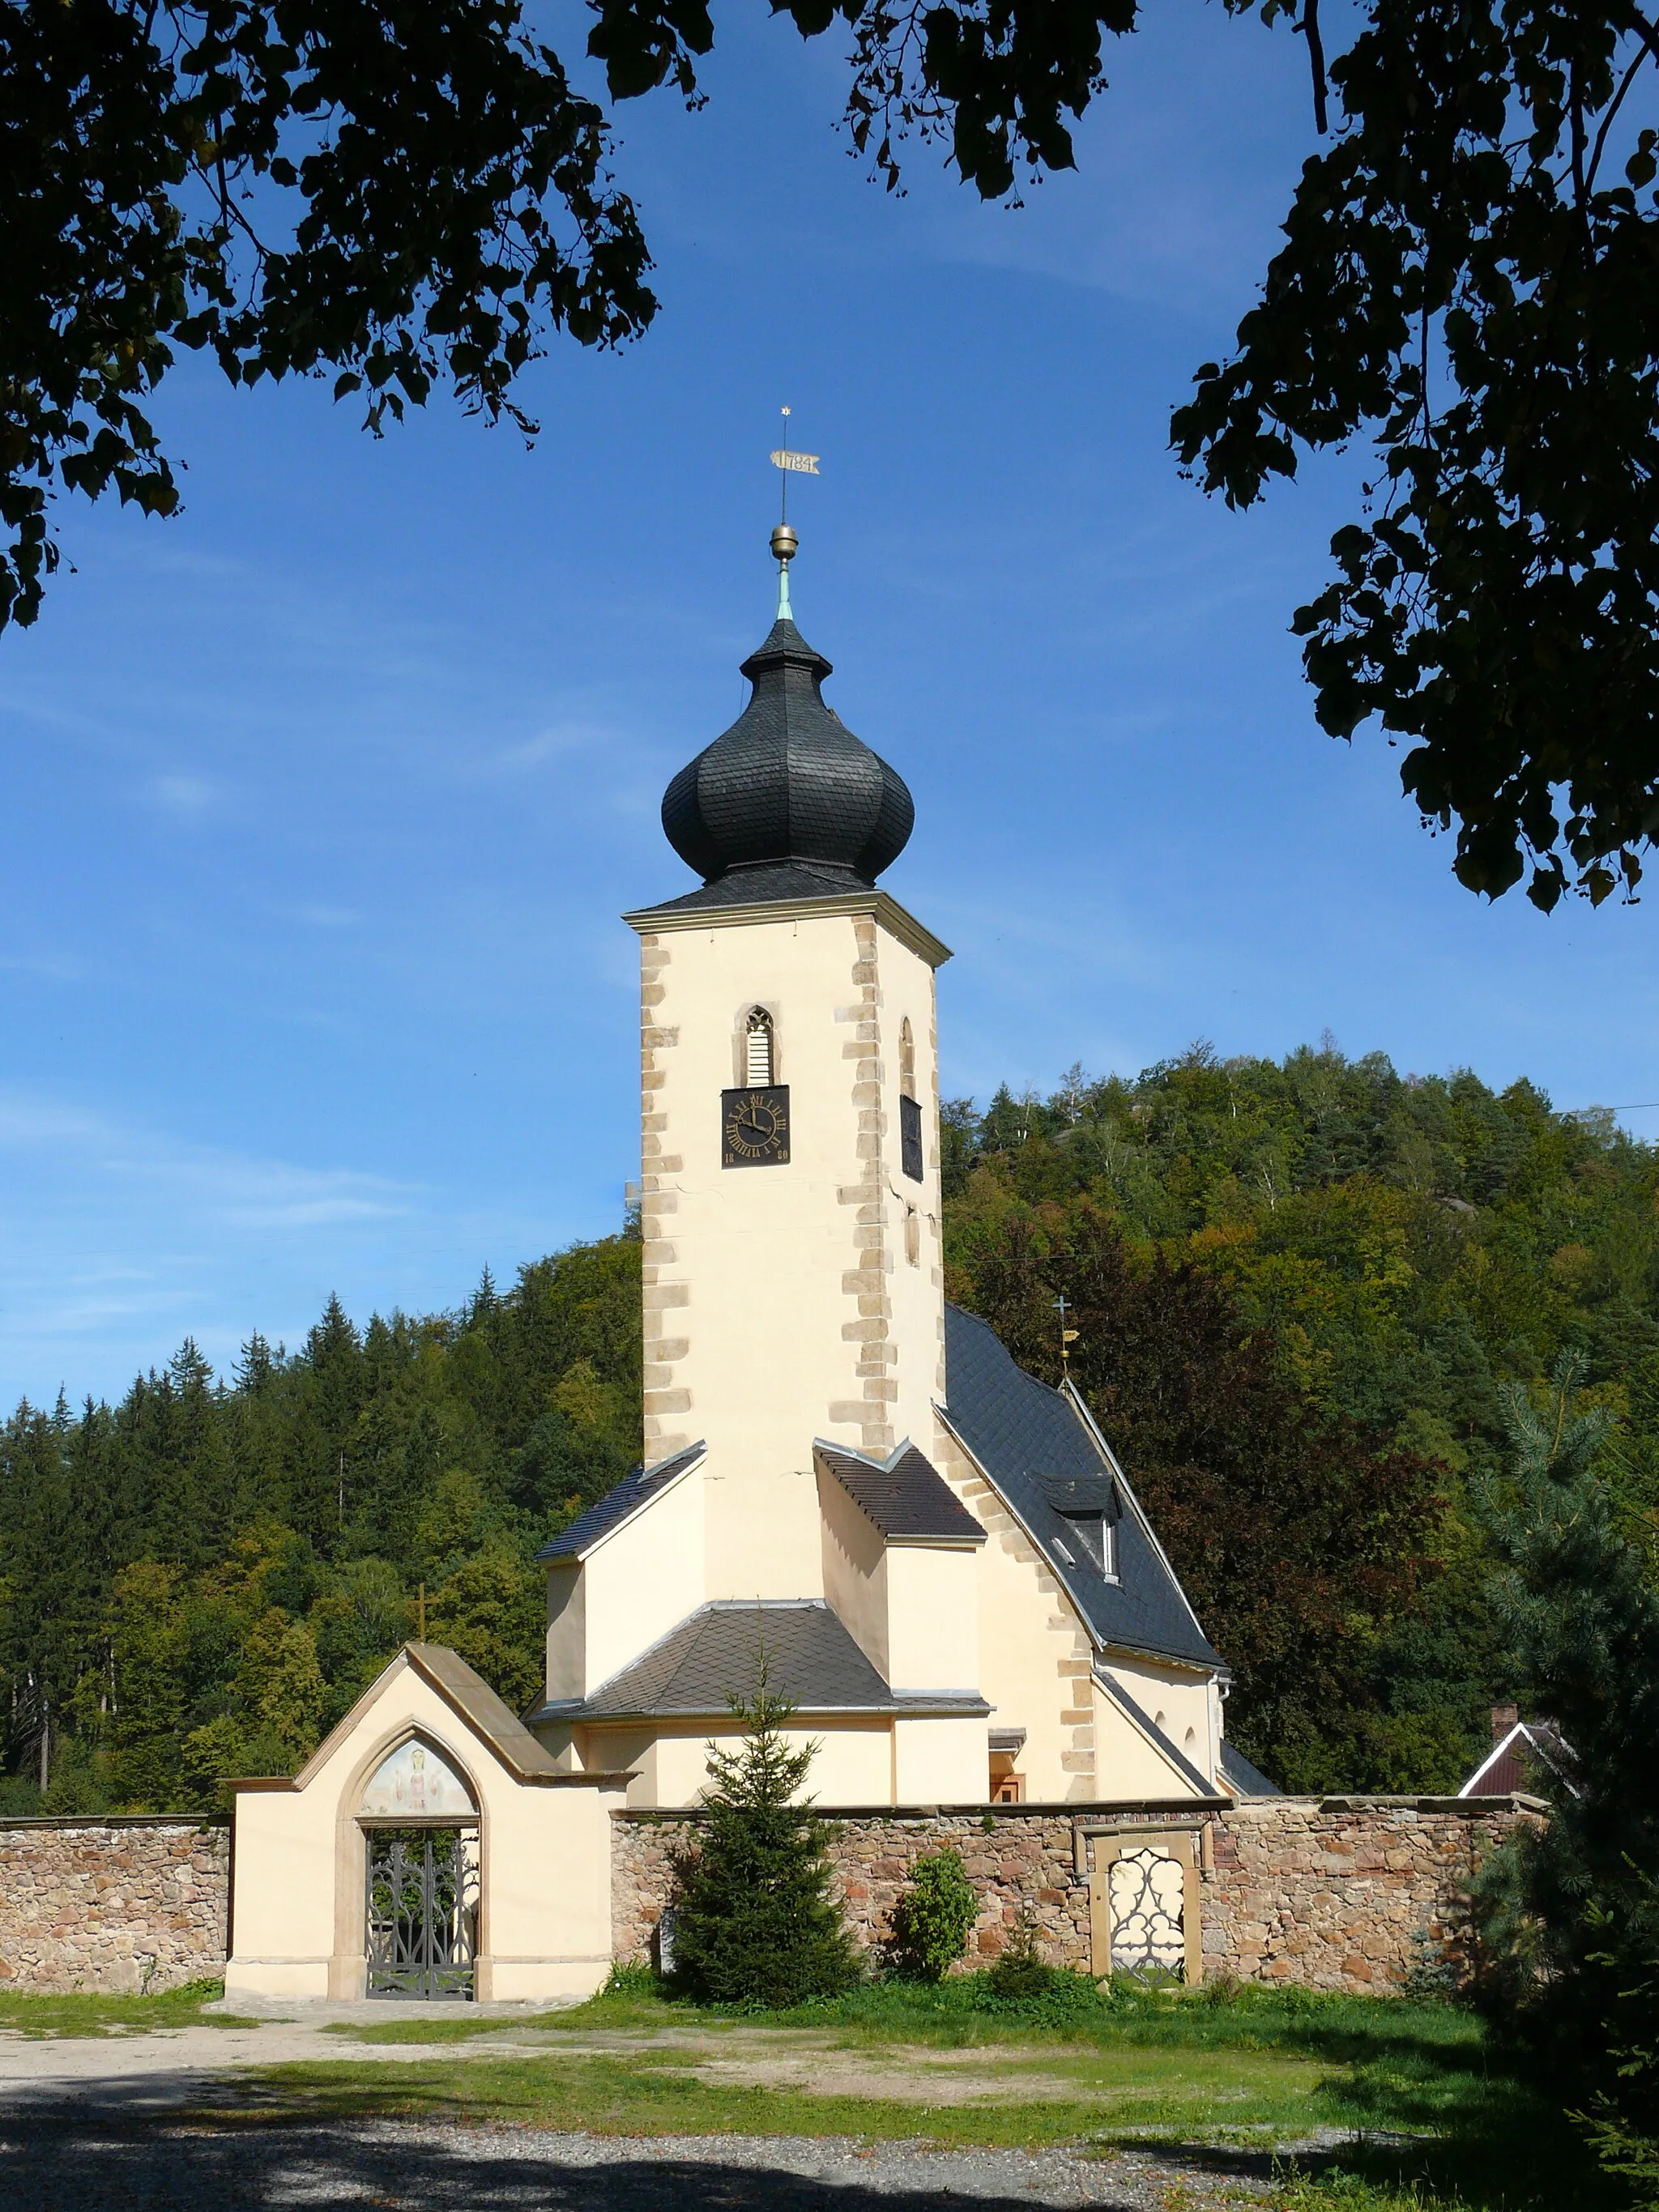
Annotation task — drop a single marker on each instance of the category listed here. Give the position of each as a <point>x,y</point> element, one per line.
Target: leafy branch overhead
<point>392,189</point>
<point>398,190</point>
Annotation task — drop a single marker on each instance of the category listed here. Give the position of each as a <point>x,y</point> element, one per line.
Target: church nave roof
<point>811,1661</point>
<point>1042,1456</point>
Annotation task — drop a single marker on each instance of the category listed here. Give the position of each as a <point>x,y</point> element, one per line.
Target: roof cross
<point>1067,1336</point>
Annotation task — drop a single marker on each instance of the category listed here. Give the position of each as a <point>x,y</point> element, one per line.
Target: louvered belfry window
<point>758,1050</point>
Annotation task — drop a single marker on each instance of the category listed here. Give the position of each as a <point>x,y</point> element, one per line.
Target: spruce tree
<point>755,1925</point>
<point>1569,1913</point>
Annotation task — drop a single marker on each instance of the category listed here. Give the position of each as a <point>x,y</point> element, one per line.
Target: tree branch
<point>1645,52</point>
<point>1308,27</point>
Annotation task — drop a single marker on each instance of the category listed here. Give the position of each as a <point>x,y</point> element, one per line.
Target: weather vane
<point>785,543</point>
<point>1067,1336</point>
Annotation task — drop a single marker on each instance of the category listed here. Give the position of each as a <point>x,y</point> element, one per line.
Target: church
<point>939,1560</point>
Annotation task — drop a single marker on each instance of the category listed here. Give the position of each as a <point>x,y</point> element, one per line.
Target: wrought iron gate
<point>1148,1935</point>
<point>423,1911</point>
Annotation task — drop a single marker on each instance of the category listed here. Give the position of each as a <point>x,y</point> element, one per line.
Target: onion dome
<point>788,801</point>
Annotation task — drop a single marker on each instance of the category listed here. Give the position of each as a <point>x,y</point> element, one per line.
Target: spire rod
<point>785,543</point>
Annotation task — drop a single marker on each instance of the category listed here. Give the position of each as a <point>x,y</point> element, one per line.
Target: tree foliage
<point>1468,283</point>
<point>1570,1912</point>
<point>1469,280</point>
<point>397,190</point>
<point>391,190</point>
<point>756,1924</point>
<point>198,1582</point>
<point>1299,1287</point>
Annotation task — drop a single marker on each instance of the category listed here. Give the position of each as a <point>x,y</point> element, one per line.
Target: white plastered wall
<point>853,1764</point>
<point>940,1762</point>
<point>298,1907</point>
<point>778,1301</point>
<point>632,1587</point>
<point>1132,1767</point>
<point>1180,1701</point>
<point>855,1556</point>
<point>932,1616</point>
<point>1035,1653</point>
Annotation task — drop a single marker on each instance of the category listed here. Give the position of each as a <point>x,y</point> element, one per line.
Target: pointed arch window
<point>907,1059</point>
<point>760,1057</point>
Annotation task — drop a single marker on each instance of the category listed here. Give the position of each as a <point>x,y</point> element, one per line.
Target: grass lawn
<point>1434,2115</point>
<point>23,2013</point>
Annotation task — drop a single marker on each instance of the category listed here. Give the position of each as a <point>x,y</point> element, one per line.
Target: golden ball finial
<point>785,543</point>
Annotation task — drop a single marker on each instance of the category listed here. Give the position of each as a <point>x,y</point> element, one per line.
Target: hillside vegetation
<point>1296,1288</point>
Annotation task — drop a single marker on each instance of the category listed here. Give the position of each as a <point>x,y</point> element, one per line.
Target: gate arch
<point>418,1814</point>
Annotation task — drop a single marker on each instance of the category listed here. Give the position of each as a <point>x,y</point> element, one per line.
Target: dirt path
<point>158,2066</point>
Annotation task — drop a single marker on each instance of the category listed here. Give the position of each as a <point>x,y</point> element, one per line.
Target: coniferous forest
<point>1297,1286</point>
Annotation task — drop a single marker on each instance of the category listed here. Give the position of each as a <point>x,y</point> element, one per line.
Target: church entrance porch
<point>421,1910</point>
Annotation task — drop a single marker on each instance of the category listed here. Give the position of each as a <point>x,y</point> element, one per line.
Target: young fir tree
<point>1569,1913</point>
<point>755,1925</point>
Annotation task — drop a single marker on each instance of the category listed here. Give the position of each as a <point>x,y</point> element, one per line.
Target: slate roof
<point>905,1495</point>
<point>788,781</point>
<point>811,1660</point>
<point>1241,1777</point>
<point>766,883</point>
<point>629,1495</point>
<point>1037,1447</point>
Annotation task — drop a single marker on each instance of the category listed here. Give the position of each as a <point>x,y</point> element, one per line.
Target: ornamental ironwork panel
<point>423,1911</point>
<point>1147,1889</point>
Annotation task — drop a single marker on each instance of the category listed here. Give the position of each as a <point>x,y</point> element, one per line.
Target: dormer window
<point>759,1059</point>
<point>1094,1539</point>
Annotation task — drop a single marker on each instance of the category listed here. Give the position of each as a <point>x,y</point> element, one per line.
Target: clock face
<point>754,1127</point>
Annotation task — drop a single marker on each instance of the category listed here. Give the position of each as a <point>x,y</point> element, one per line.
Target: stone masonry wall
<point>117,1904</point>
<point>1336,1893</point>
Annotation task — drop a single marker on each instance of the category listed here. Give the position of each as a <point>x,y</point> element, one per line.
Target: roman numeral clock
<point>754,1127</point>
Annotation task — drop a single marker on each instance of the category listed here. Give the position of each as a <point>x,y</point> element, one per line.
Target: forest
<point>1297,1286</point>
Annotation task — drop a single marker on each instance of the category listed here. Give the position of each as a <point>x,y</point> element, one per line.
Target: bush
<point>933,1918</point>
<point>755,1927</point>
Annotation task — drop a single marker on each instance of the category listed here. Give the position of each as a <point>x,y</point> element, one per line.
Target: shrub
<point>933,1918</point>
<point>756,1926</point>
<point>1021,1970</point>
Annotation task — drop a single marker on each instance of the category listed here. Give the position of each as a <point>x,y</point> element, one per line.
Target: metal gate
<point>1147,1889</point>
<point>423,1911</point>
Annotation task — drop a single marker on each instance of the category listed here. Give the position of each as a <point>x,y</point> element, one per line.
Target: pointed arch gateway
<point>422,1874</point>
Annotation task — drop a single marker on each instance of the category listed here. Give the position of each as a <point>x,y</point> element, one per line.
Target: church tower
<point>789,1119</point>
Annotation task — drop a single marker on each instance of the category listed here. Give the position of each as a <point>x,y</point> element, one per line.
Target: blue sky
<point>324,799</point>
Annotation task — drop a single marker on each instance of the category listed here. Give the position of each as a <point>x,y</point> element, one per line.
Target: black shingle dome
<point>788,781</point>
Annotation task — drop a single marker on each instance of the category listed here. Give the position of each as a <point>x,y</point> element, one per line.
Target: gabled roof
<point>1514,1761</point>
<point>811,1660</point>
<point>1034,1444</point>
<point>618,1505</point>
<point>486,1716</point>
<point>905,1495</point>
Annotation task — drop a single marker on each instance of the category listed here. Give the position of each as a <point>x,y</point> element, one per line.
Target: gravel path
<point>63,2161</point>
